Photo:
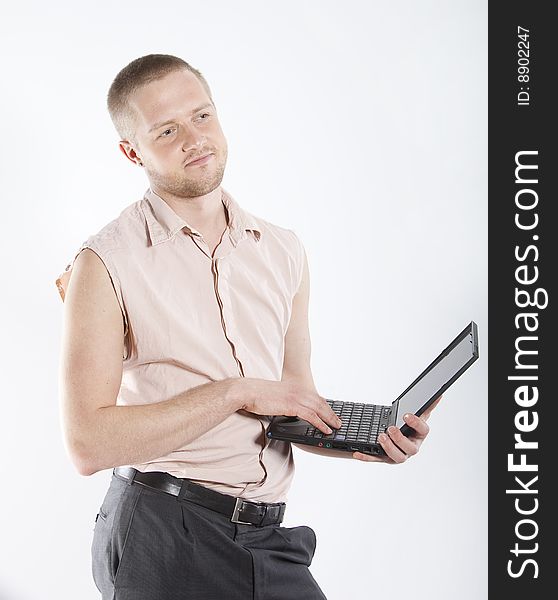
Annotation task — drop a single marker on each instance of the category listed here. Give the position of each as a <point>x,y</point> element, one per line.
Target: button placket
<point>233,332</point>
<point>216,281</point>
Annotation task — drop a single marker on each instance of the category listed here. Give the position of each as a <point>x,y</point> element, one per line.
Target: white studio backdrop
<point>360,125</point>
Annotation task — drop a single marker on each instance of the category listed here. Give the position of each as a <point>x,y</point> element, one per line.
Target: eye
<point>204,115</point>
<point>164,132</point>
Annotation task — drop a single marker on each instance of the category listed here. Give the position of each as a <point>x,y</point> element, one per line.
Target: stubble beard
<point>183,186</point>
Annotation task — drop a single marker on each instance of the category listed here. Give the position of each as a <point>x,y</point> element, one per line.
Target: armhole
<point>115,284</point>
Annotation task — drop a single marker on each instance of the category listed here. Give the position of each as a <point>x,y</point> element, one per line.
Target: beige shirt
<point>190,319</point>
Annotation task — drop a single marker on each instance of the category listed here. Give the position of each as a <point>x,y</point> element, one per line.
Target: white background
<point>360,125</point>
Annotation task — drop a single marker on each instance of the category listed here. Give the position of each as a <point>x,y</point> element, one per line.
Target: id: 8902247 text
<point>523,62</point>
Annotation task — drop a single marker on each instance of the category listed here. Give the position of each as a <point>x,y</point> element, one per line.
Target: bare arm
<point>98,434</point>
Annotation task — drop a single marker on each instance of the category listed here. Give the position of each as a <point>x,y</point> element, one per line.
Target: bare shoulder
<point>90,280</point>
<point>89,264</point>
<point>91,303</point>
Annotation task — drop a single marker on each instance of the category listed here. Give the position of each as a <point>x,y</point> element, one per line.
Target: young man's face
<point>176,123</point>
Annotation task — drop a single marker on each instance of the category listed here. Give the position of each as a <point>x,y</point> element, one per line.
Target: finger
<point>405,444</point>
<point>395,453</point>
<point>327,414</point>
<point>418,424</point>
<point>369,458</point>
<point>309,415</point>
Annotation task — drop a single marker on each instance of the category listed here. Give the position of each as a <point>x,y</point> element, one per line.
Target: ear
<point>129,152</point>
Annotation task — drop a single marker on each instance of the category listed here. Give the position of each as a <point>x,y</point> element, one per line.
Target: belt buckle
<point>236,512</point>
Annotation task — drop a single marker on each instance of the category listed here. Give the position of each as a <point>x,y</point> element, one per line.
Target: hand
<point>398,447</point>
<point>265,397</point>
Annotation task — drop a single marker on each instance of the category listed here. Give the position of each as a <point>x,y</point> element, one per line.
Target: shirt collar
<point>163,223</point>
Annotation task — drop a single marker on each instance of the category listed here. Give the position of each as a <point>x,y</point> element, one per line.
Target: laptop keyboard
<point>360,422</point>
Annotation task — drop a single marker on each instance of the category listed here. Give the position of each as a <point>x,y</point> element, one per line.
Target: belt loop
<point>129,476</point>
<point>133,476</point>
<point>182,492</point>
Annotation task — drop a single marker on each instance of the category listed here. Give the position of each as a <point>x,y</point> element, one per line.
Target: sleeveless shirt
<point>191,318</point>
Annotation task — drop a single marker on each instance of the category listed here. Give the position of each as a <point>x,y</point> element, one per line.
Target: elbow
<point>82,459</point>
<point>87,463</point>
<point>81,447</point>
<point>85,468</point>
<point>83,464</point>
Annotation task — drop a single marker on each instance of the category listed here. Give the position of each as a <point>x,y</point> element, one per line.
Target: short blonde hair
<point>139,72</point>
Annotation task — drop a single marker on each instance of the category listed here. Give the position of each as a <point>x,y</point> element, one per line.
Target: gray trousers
<point>149,545</point>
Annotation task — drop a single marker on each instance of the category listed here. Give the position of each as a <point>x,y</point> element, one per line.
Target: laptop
<point>362,423</point>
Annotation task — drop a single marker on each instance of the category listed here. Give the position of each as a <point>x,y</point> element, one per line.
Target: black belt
<point>239,510</point>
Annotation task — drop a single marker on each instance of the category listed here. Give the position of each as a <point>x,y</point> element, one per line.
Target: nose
<point>192,138</point>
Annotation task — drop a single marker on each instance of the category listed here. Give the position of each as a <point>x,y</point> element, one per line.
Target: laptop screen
<point>438,376</point>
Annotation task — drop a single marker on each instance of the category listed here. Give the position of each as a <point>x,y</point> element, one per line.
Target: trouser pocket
<point>297,544</point>
<point>110,534</point>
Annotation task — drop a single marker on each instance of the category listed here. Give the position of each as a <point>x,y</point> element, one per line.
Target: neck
<point>203,213</point>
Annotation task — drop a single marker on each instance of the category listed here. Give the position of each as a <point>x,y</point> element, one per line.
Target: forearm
<point>123,435</point>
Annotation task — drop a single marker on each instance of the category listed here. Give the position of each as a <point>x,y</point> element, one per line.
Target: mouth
<point>201,160</point>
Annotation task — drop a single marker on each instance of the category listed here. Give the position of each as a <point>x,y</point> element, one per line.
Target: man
<point>185,330</point>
